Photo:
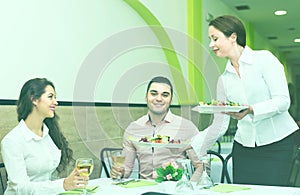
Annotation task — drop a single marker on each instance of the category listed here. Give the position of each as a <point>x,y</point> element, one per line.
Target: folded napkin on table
<point>225,188</point>
<point>91,189</point>
<point>138,183</point>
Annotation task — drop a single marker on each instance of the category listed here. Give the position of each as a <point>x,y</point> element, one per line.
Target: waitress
<point>264,142</point>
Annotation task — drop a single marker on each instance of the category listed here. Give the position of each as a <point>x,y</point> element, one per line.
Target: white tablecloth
<point>107,188</point>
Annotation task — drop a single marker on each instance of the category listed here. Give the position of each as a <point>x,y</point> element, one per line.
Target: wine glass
<point>184,184</point>
<point>118,159</point>
<point>85,163</point>
<point>205,181</point>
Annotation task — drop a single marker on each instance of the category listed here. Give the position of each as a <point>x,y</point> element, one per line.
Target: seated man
<point>159,121</point>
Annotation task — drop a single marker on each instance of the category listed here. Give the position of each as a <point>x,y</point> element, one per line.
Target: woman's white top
<point>30,161</point>
<point>262,84</point>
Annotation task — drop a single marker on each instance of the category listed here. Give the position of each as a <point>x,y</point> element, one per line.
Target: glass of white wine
<point>85,163</point>
<point>118,159</point>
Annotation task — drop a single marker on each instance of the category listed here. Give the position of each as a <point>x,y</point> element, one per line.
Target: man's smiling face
<point>159,98</point>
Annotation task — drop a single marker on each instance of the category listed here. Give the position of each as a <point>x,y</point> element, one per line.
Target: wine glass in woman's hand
<point>85,163</point>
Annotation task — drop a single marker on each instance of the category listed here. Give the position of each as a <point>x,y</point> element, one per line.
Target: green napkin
<point>91,189</point>
<point>140,183</point>
<point>225,188</point>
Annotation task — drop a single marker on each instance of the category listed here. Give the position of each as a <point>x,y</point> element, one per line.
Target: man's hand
<point>117,172</point>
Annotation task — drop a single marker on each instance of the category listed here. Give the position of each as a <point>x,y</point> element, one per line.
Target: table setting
<point>172,178</point>
<point>139,187</point>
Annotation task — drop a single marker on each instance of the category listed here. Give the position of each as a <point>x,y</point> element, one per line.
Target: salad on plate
<point>215,106</point>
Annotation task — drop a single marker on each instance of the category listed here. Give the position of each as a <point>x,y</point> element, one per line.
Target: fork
<point>89,190</point>
<point>127,182</point>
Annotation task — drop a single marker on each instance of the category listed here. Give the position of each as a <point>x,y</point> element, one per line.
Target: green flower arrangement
<point>169,171</point>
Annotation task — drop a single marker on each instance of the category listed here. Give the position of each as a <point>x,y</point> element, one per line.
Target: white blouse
<point>262,84</point>
<point>30,161</point>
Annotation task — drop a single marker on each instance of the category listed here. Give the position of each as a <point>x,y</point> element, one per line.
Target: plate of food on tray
<point>219,106</point>
<point>160,141</point>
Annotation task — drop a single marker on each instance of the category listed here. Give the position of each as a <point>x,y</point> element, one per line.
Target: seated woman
<point>36,148</point>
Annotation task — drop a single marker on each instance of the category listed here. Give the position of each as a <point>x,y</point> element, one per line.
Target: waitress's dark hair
<point>230,24</point>
<point>33,90</point>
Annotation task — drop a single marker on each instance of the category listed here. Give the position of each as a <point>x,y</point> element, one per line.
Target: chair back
<point>214,167</point>
<point>3,178</point>
<point>217,147</point>
<point>106,162</point>
<point>227,168</point>
<point>216,162</point>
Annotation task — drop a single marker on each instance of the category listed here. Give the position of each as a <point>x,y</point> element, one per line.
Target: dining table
<point>107,186</point>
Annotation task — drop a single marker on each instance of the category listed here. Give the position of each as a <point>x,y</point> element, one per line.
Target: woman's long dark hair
<point>33,90</point>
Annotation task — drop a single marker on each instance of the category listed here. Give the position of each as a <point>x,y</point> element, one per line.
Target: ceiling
<point>279,30</point>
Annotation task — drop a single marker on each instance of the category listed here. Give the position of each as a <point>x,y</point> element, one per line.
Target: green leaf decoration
<point>169,173</point>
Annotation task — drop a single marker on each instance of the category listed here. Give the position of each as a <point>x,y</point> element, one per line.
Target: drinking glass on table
<point>85,163</point>
<point>184,185</point>
<point>118,159</point>
<point>205,181</point>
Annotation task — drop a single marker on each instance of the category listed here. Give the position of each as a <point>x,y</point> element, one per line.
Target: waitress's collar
<point>245,58</point>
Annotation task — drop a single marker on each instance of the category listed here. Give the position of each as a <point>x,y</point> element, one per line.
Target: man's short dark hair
<point>160,79</point>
